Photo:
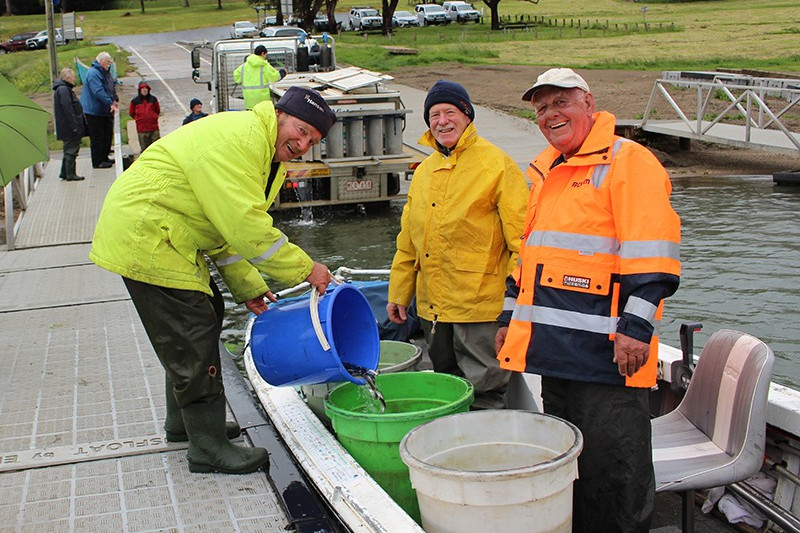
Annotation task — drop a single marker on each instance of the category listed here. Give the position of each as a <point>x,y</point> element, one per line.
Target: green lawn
<point>756,34</point>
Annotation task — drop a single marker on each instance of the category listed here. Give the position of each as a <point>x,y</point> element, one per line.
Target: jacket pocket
<point>178,240</point>
<point>578,278</point>
<point>471,261</point>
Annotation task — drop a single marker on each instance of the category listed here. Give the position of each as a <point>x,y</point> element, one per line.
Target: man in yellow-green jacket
<point>459,239</point>
<point>203,192</point>
<point>254,75</point>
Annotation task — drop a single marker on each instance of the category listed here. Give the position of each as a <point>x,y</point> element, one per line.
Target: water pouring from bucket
<point>306,342</point>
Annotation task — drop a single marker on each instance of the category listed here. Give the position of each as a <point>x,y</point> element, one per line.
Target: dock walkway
<point>82,393</point>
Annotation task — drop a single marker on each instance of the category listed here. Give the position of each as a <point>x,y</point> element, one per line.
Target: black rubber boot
<point>209,448</point>
<point>173,423</point>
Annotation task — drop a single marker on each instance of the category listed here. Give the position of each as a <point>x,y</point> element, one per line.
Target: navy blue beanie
<point>309,106</point>
<point>448,92</point>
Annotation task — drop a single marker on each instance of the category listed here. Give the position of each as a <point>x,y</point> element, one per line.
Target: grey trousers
<point>184,328</point>
<point>467,350</point>
<point>146,138</point>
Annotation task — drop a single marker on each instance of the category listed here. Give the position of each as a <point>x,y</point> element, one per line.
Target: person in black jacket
<point>70,122</point>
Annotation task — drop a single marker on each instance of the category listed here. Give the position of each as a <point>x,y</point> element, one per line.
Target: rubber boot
<point>173,423</point>
<point>209,448</point>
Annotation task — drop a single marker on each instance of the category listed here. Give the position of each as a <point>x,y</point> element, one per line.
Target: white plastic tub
<point>497,470</point>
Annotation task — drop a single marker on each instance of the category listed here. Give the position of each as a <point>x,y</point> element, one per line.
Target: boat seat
<point>716,435</point>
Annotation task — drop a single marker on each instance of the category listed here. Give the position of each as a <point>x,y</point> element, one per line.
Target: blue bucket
<point>286,350</point>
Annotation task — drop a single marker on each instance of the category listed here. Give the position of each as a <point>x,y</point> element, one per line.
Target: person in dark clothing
<point>99,101</point>
<point>197,111</point>
<point>144,109</point>
<point>70,122</point>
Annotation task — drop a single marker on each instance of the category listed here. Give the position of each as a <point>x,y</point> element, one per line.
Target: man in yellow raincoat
<point>459,238</point>
<point>203,192</point>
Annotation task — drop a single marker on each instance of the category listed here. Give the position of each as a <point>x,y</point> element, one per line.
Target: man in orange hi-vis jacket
<point>600,253</point>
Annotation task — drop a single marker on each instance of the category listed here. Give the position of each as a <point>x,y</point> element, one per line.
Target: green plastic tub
<point>373,438</point>
<point>395,356</point>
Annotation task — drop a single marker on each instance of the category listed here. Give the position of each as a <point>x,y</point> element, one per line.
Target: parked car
<point>321,23</point>
<point>293,32</point>
<point>364,18</point>
<point>243,29</point>
<point>428,14</point>
<point>462,12</point>
<point>17,42</point>
<point>39,41</point>
<point>401,19</point>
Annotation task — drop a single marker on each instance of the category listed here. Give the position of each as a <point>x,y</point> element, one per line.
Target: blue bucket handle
<point>313,306</point>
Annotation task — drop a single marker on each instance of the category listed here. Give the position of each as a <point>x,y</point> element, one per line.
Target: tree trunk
<point>8,8</point>
<point>388,10</point>
<point>142,3</point>
<point>219,4</point>
<point>493,9</point>
<point>185,3</point>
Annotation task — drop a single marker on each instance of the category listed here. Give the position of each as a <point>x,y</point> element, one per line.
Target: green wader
<point>184,328</point>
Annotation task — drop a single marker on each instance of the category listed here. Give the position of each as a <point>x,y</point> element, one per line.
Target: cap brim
<point>529,93</point>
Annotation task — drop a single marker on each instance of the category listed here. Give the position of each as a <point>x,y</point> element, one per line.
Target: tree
<point>8,8</point>
<point>388,12</point>
<point>492,4</point>
<point>185,3</point>
<point>330,11</point>
<point>306,11</point>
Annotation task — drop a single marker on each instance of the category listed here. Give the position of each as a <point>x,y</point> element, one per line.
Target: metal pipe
<point>785,472</point>
<point>774,512</point>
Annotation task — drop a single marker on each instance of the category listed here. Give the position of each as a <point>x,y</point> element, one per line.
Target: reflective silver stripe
<point>261,79</point>
<point>618,144</point>
<point>509,303</point>
<point>600,172</point>
<point>599,175</point>
<point>272,250</point>
<point>565,319</point>
<point>229,260</point>
<point>645,249</point>
<point>585,244</point>
<point>641,308</point>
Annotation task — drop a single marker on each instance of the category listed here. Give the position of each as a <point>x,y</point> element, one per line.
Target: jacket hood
<point>255,60</point>
<point>143,84</point>
<point>58,83</point>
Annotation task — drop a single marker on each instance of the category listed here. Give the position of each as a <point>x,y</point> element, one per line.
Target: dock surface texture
<point>82,393</point>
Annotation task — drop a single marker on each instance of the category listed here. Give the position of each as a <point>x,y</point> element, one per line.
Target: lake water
<point>740,254</point>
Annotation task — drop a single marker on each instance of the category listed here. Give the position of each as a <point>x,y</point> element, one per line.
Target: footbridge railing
<point>17,193</point>
<point>745,114</point>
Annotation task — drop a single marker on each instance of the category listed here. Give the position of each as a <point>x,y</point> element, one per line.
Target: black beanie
<point>308,106</point>
<point>194,102</point>
<point>448,92</point>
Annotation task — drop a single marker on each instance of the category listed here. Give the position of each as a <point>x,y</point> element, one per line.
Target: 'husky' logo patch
<point>576,281</point>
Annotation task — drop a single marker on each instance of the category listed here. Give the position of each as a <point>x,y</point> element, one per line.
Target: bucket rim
<point>399,417</point>
<point>492,475</point>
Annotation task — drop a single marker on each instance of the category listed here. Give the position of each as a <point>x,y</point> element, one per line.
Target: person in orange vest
<point>600,252</point>
<point>459,238</point>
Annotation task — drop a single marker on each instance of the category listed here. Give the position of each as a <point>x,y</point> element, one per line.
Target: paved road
<point>163,60</point>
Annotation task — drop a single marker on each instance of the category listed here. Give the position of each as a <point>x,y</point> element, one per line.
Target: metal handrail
<point>751,96</point>
<point>20,189</point>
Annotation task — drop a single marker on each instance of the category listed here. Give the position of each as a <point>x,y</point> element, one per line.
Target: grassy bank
<point>598,34</point>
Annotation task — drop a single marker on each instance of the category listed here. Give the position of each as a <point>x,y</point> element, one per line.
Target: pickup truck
<point>39,41</point>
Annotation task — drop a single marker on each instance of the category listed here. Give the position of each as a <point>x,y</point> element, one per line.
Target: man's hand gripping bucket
<point>333,337</point>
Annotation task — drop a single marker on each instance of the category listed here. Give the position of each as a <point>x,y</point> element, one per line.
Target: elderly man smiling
<point>458,241</point>
<point>203,192</point>
<point>600,253</point>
